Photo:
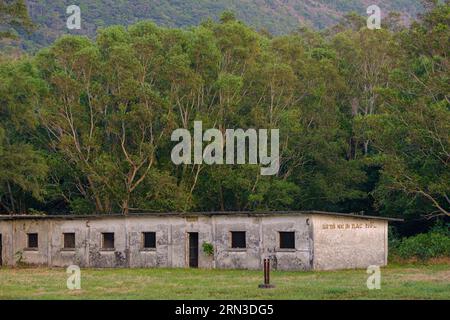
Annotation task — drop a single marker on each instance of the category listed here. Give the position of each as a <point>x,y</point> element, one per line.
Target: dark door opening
<point>193,249</point>
<point>1,251</point>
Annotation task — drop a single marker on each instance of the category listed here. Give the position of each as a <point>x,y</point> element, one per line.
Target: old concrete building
<point>293,240</point>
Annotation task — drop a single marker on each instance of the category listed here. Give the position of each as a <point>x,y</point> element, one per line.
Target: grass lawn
<point>411,281</point>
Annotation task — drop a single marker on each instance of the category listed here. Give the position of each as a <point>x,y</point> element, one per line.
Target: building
<point>240,240</point>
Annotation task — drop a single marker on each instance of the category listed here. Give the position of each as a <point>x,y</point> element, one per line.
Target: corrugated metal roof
<point>187,214</point>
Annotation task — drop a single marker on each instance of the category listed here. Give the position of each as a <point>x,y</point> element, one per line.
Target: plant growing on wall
<point>208,248</point>
<point>19,258</point>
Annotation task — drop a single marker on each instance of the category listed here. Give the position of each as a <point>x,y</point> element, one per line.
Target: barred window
<point>238,239</point>
<point>149,240</point>
<point>108,240</point>
<point>287,240</point>
<point>33,241</point>
<point>69,240</point>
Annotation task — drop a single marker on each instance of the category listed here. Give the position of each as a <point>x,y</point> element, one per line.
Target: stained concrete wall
<point>347,243</point>
<point>262,236</point>
<point>317,244</point>
<point>14,239</point>
<point>7,252</point>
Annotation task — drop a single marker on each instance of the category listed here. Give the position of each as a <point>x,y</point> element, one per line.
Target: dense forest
<point>364,118</point>
<point>276,16</point>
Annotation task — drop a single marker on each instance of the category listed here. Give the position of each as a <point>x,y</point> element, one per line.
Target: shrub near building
<point>424,246</point>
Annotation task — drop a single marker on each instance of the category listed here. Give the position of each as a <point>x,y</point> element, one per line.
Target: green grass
<point>398,282</point>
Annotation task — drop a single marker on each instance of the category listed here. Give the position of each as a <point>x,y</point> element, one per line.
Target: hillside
<point>276,16</point>
<point>87,126</point>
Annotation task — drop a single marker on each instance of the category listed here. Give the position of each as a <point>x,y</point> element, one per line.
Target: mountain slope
<point>276,16</point>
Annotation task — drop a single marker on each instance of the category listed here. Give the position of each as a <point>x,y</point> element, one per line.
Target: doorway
<point>193,249</point>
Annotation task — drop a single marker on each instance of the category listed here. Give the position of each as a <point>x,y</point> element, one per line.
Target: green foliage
<point>81,206</point>
<point>411,131</point>
<point>23,169</point>
<point>424,246</point>
<point>433,244</point>
<point>13,16</point>
<point>19,258</point>
<point>208,248</point>
<point>363,118</point>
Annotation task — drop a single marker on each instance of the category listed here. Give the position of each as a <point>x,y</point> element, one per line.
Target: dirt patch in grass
<point>437,276</point>
<point>415,260</point>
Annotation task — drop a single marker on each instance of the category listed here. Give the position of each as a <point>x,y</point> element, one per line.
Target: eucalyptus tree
<point>23,168</point>
<point>412,133</point>
<point>104,114</point>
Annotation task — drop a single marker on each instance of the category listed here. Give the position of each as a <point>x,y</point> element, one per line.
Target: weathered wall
<point>171,237</point>
<point>322,242</point>
<point>60,257</point>
<point>346,243</point>
<point>170,251</point>
<point>263,241</point>
<point>14,239</point>
<point>7,243</point>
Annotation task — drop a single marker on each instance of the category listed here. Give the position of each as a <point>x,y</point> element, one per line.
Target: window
<point>238,239</point>
<point>69,240</point>
<point>287,240</point>
<point>108,240</point>
<point>32,241</point>
<point>149,240</point>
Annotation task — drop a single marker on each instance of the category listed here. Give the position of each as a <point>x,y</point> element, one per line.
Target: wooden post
<point>266,284</point>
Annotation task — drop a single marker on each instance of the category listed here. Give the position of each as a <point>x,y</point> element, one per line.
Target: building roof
<point>190,214</point>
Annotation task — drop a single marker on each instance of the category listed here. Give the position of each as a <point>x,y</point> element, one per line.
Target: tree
<point>363,118</point>
<point>103,115</point>
<point>13,14</point>
<point>23,169</point>
<point>412,134</point>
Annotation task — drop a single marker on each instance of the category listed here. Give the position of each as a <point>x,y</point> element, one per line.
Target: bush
<point>424,246</point>
<point>208,248</point>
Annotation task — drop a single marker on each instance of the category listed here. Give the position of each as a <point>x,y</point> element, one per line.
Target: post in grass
<point>266,284</point>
